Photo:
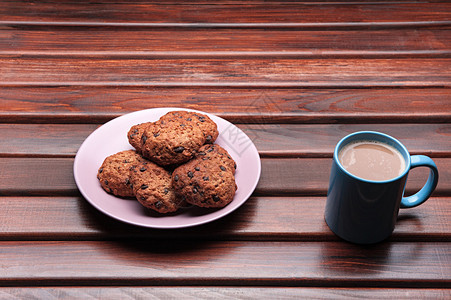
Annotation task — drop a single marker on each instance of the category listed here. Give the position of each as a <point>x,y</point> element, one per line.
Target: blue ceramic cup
<point>365,211</point>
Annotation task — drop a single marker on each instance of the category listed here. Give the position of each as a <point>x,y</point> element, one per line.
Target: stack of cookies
<point>175,162</point>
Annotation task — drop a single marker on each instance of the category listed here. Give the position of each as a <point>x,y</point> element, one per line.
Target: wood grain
<point>305,13</point>
<point>233,292</point>
<point>146,262</point>
<point>288,176</point>
<point>130,42</point>
<point>311,177</point>
<point>260,105</point>
<point>260,218</point>
<point>296,76</point>
<point>238,72</point>
<point>271,140</point>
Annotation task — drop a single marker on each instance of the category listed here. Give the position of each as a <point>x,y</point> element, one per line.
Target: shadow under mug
<point>365,211</point>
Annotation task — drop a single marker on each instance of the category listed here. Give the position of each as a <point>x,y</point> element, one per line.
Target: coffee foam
<point>352,145</point>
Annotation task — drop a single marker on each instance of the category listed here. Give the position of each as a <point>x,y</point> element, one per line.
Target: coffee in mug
<point>366,186</point>
<point>372,160</point>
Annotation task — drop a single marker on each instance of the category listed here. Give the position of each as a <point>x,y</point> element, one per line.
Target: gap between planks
<point>268,25</point>
<point>230,54</point>
<point>215,292</point>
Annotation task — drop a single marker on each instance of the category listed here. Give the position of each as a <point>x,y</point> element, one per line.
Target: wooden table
<point>295,76</point>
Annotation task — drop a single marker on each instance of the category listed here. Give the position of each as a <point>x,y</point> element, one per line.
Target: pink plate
<point>112,138</point>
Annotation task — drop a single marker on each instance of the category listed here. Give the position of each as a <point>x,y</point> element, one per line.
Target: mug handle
<point>426,191</point>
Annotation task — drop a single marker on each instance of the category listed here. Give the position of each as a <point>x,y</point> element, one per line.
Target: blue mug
<point>365,211</point>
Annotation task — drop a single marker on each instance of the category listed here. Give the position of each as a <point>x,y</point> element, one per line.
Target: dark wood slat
<point>45,180</point>
<point>290,176</point>
<point>260,218</point>
<point>100,104</point>
<point>304,140</point>
<point>42,139</point>
<point>271,72</point>
<point>335,264</point>
<point>251,12</point>
<point>311,177</point>
<point>272,140</point>
<point>97,42</point>
<point>220,292</point>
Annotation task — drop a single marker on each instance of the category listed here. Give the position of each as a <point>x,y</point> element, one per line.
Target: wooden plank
<point>233,292</point>
<point>260,218</point>
<point>44,140</point>
<point>108,13</point>
<point>271,140</point>
<point>305,140</point>
<point>96,42</point>
<point>237,72</point>
<point>311,177</point>
<point>100,104</point>
<point>290,176</point>
<point>39,176</point>
<point>327,264</point>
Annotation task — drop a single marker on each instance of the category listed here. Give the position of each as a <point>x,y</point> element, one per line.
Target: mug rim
<point>402,148</point>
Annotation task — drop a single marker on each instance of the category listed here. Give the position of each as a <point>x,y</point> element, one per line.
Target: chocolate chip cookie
<point>114,173</point>
<point>171,141</point>
<point>152,187</point>
<point>134,135</point>
<point>174,138</point>
<point>206,125</point>
<point>206,182</point>
<point>217,153</point>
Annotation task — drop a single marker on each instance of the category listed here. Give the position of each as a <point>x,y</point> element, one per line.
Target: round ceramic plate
<point>111,138</point>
